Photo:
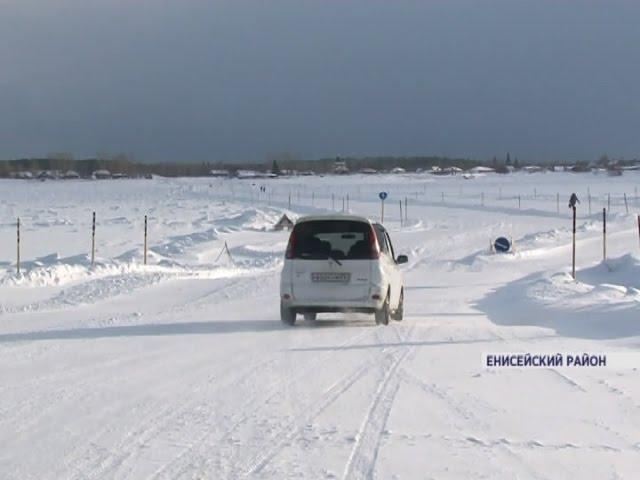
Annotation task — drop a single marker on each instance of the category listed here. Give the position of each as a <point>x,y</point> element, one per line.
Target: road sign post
<point>573,200</point>
<point>573,258</point>
<point>382,196</point>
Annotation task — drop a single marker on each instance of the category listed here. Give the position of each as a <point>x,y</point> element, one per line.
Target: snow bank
<point>623,271</point>
<point>604,301</point>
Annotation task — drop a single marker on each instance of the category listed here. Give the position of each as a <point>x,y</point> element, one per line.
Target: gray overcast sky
<point>238,79</point>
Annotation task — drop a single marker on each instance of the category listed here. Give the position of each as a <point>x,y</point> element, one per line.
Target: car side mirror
<point>402,259</point>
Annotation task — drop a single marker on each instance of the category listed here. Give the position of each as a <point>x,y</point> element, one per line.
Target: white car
<point>340,263</point>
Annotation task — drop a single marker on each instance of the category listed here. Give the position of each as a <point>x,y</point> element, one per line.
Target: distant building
<point>398,170</point>
<point>219,173</point>
<point>628,167</point>
<point>532,168</point>
<point>46,175</point>
<point>368,171</point>
<point>244,174</point>
<point>340,167</point>
<point>284,223</point>
<point>26,175</point>
<point>447,171</point>
<point>118,176</point>
<point>435,170</point>
<point>481,169</point>
<point>70,175</point>
<point>101,174</point>
<point>250,174</point>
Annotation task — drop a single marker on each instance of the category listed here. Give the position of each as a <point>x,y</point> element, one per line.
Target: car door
<point>388,264</point>
<point>395,273</point>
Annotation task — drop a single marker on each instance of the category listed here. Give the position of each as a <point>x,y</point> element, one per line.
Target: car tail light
<point>291,245</point>
<point>373,242</point>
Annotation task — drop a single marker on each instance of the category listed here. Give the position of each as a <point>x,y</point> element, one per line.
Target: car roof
<point>334,216</point>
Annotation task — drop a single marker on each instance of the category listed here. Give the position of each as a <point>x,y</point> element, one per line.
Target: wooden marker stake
<point>93,240</point>
<point>145,239</point>
<point>604,234</point>
<point>18,247</point>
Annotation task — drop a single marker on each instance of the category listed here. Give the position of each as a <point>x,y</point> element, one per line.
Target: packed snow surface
<point>181,368</point>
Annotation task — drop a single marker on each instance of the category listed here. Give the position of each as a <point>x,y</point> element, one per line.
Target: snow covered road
<point>182,369</point>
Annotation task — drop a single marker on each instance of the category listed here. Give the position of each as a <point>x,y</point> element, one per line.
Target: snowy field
<point>182,369</point>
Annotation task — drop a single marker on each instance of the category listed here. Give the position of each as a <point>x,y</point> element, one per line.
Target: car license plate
<point>331,277</point>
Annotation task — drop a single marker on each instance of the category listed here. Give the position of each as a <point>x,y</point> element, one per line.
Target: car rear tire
<point>399,313</point>
<point>310,316</point>
<point>287,315</point>
<point>382,315</point>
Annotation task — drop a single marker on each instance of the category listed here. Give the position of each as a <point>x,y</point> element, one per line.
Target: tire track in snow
<point>293,429</point>
<point>111,459</point>
<point>74,385</point>
<point>196,460</point>
<point>197,453</point>
<point>362,461</point>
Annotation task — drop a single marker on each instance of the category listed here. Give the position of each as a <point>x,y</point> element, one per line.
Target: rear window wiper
<point>332,257</point>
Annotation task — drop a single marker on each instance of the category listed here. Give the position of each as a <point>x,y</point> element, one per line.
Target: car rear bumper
<point>363,305</point>
<point>330,309</point>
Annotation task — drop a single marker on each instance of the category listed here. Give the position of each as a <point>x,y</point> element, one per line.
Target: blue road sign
<point>502,245</point>
<point>382,195</point>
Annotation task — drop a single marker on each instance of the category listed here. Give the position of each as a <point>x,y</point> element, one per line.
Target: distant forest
<point>277,163</point>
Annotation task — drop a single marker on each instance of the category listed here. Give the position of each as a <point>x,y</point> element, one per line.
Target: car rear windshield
<point>336,239</point>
